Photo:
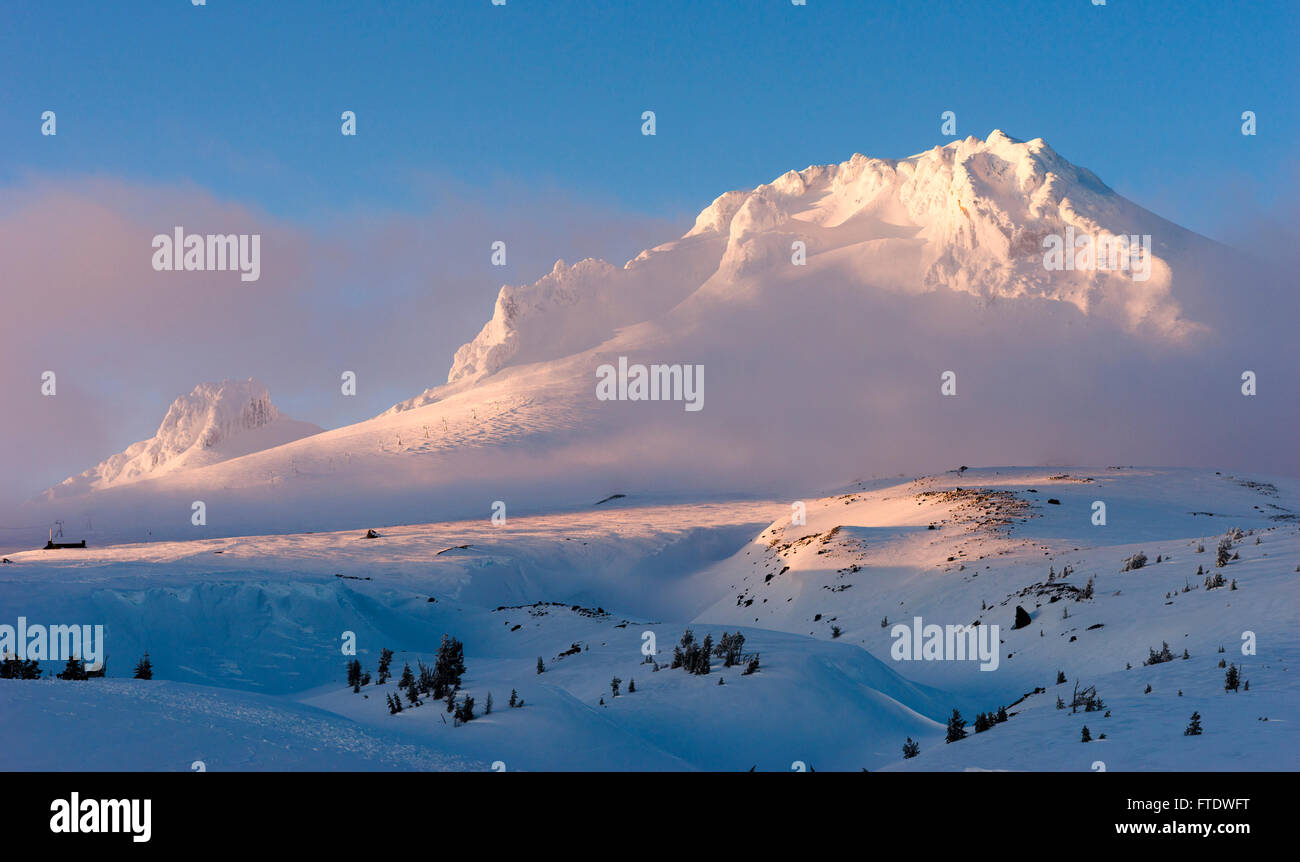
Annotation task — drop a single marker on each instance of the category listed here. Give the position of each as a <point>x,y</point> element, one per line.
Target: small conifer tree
<point>956,727</point>
<point>1232,680</point>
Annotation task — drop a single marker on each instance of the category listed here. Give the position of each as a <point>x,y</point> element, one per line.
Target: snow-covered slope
<point>963,546</point>
<point>969,547</point>
<point>226,619</point>
<point>213,423</point>
<point>245,633</point>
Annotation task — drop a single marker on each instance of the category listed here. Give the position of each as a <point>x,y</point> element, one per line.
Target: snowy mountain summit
<point>980,209</point>
<point>976,216</point>
<point>213,423</point>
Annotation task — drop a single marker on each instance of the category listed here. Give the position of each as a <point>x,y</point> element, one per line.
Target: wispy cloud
<point>389,296</point>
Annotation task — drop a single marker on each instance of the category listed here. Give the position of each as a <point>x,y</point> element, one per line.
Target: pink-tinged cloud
<point>387,295</point>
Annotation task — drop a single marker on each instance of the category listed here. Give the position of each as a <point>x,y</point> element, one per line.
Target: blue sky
<point>243,98</point>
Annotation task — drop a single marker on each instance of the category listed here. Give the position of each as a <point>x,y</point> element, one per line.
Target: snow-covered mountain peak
<point>212,423</point>
<point>214,411</point>
<point>997,189</point>
<point>975,216</point>
<point>503,338</point>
